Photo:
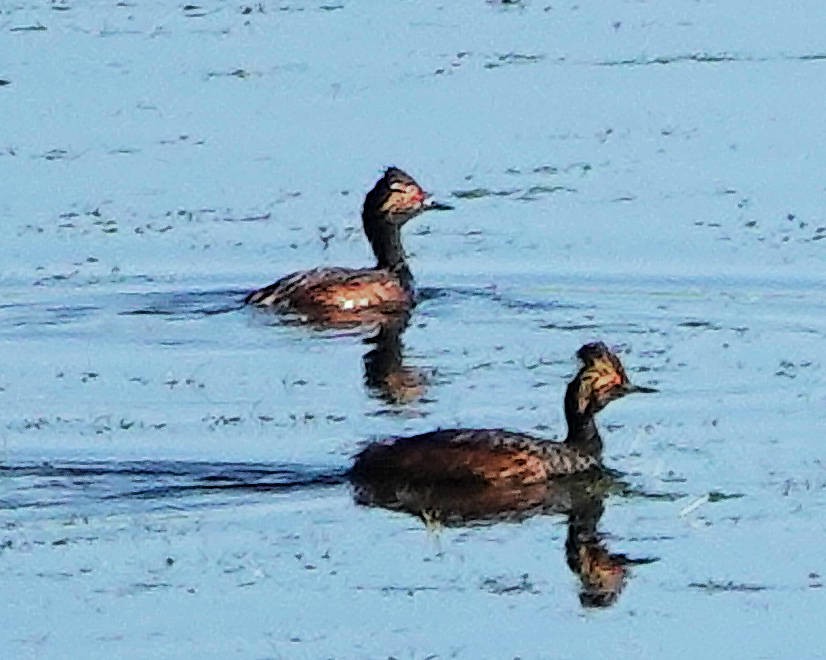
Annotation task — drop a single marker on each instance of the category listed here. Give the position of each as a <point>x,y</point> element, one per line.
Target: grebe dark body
<point>355,294</point>
<point>499,456</point>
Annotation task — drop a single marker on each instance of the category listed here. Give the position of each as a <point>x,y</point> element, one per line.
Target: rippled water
<point>172,464</point>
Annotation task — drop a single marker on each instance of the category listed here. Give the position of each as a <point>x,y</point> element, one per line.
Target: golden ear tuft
<point>586,388</point>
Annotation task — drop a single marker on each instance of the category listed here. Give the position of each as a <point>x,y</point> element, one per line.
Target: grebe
<point>497,456</point>
<point>349,293</point>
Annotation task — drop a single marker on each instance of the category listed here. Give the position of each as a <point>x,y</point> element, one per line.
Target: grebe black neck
<point>601,380</point>
<point>395,199</point>
<point>582,427</point>
<point>385,238</point>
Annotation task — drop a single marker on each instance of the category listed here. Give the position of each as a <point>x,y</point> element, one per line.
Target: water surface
<point>171,463</point>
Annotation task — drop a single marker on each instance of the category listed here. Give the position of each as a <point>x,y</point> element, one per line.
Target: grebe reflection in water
<point>386,376</point>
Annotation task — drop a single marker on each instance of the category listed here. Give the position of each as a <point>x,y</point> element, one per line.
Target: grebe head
<point>601,379</point>
<point>397,197</point>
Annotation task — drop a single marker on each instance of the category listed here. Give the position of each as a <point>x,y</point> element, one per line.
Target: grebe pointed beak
<point>430,204</point>
<point>622,390</point>
<point>632,389</point>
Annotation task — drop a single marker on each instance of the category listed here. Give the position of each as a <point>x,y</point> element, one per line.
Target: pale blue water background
<point>648,174</point>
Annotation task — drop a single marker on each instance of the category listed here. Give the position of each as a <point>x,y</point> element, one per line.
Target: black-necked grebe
<point>497,456</point>
<point>348,293</point>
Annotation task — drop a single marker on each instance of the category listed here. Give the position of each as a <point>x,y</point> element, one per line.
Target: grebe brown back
<point>352,294</point>
<point>497,456</point>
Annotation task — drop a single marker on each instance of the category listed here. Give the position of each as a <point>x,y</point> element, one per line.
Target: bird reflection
<point>602,574</point>
<point>385,374</point>
<point>580,498</point>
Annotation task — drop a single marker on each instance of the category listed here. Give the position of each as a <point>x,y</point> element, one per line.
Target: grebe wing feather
<point>342,288</point>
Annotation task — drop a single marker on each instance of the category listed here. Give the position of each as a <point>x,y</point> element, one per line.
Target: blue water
<point>648,175</point>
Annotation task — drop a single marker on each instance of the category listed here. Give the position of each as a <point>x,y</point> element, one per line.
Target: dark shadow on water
<point>712,58</point>
<point>51,484</point>
<point>17,315</point>
<point>186,305</point>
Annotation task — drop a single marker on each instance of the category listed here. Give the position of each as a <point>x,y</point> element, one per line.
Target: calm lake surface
<point>646,174</point>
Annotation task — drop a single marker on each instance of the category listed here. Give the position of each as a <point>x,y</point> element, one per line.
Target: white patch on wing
<point>347,303</point>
